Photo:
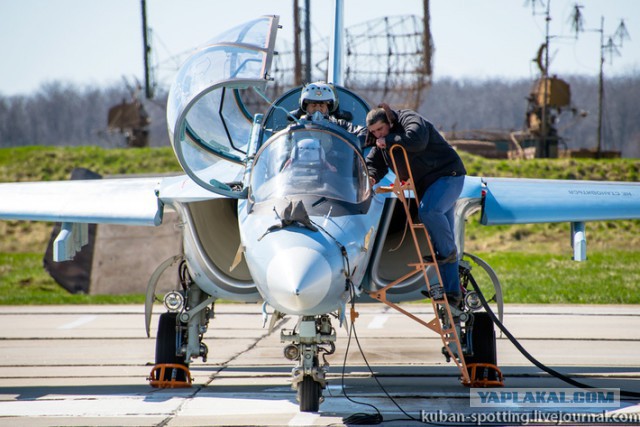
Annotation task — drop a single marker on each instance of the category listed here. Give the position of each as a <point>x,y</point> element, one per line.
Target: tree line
<point>62,114</point>
<point>494,104</point>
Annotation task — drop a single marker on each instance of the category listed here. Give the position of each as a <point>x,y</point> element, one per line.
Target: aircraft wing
<point>522,201</point>
<point>76,203</point>
<point>124,201</point>
<point>127,201</point>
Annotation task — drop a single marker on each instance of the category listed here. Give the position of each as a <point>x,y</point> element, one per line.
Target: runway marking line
<point>303,419</point>
<point>83,320</point>
<point>378,322</point>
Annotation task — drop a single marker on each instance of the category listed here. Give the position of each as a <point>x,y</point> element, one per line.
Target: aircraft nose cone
<point>299,278</point>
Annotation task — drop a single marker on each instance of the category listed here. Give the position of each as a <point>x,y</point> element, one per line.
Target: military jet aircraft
<point>265,220</point>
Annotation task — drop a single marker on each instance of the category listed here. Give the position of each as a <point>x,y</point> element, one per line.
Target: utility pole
<point>427,53</point>
<point>544,143</point>
<point>307,40</point>
<point>612,46</point>
<point>148,89</point>
<point>297,60</point>
<point>427,40</point>
<point>600,90</point>
<point>301,69</point>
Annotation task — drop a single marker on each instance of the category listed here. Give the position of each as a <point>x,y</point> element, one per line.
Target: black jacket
<point>342,119</point>
<point>430,155</point>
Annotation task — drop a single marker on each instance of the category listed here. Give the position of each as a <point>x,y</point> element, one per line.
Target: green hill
<point>56,163</point>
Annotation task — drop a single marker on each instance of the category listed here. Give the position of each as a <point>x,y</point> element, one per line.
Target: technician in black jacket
<point>438,173</point>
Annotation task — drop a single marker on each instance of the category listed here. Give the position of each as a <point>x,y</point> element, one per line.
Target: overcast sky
<point>92,42</point>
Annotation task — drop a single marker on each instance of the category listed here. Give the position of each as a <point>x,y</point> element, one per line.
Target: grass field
<point>611,277</point>
<point>532,261</point>
<point>23,281</point>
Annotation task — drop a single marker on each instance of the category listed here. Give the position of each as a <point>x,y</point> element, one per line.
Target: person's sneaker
<point>454,298</point>
<point>429,258</point>
<point>436,292</point>
<point>442,260</point>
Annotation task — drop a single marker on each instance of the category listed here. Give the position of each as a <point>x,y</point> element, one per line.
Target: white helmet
<point>308,151</point>
<point>318,92</point>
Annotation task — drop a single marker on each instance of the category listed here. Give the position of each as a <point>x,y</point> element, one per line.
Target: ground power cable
<point>529,357</point>
<point>359,418</point>
<point>373,419</point>
<point>362,418</point>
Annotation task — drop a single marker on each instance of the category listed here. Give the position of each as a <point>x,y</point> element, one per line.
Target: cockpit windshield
<point>309,162</point>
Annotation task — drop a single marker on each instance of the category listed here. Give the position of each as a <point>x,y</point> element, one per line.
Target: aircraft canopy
<point>208,122</point>
<point>309,161</point>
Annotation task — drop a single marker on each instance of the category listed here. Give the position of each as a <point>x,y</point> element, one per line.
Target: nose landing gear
<point>313,335</point>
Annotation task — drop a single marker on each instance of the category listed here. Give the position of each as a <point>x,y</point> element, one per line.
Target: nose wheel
<point>312,337</point>
<point>309,394</point>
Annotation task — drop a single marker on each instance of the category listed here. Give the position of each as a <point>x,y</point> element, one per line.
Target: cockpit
<point>309,160</point>
<point>215,135</point>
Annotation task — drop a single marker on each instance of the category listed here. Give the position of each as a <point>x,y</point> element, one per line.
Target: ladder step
<point>418,265</point>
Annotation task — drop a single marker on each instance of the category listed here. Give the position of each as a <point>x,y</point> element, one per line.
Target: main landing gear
<point>180,334</point>
<point>476,331</point>
<point>312,337</point>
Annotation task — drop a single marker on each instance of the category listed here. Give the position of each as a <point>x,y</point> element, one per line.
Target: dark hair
<point>377,115</point>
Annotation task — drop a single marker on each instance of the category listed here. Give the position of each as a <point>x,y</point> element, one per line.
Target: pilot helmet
<point>318,92</point>
<point>308,151</point>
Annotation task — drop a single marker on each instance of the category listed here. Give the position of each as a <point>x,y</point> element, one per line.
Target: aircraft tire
<point>309,395</point>
<point>167,345</point>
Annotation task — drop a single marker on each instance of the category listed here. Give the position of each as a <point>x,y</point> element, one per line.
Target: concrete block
<point>125,257</point>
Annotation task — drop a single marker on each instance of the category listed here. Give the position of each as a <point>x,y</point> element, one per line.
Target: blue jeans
<point>436,213</point>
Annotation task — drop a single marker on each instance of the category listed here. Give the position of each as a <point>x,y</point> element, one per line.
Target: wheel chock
<point>159,371</point>
<point>479,375</point>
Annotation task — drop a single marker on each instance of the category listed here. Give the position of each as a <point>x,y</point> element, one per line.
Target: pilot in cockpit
<point>319,100</point>
<point>298,162</point>
<point>308,158</point>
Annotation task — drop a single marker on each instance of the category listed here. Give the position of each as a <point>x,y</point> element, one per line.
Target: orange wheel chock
<point>159,370</point>
<point>479,375</point>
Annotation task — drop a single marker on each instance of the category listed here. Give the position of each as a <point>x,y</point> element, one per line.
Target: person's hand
<point>381,143</point>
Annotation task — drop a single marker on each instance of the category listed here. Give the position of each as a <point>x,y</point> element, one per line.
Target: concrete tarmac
<point>87,366</point>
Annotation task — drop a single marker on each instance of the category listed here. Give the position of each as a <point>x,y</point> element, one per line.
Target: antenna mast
<point>337,43</point>
<point>148,90</point>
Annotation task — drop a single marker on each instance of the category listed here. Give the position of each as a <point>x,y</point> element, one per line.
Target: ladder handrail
<point>399,188</point>
<point>409,185</point>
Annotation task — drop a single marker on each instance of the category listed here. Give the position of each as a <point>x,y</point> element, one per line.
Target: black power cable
<point>362,418</point>
<point>359,418</point>
<point>529,357</point>
<point>372,419</point>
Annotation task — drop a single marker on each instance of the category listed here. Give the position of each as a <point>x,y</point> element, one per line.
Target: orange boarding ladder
<point>447,332</point>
